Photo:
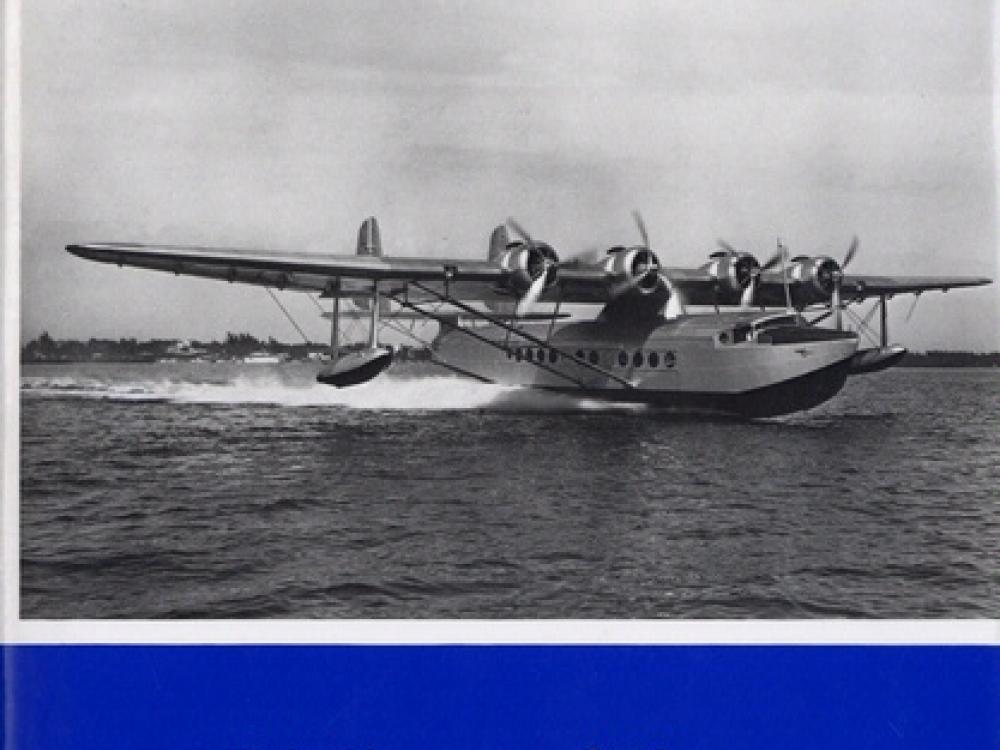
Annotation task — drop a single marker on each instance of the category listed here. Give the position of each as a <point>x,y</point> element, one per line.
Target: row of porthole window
<point>638,359</point>
<point>647,359</point>
<point>539,356</point>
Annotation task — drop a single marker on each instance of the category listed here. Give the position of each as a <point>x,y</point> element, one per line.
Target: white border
<point>10,287</point>
<point>579,632</point>
<point>360,632</point>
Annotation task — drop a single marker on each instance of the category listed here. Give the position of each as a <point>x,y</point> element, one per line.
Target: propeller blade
<point>534,292</point>
<point>838,316</point>
<point>771,263</point>
<point>519,230</point>
<point>727,247</point>
<point>746,299</point>
<point>851,251</point>
<point>641,226</point>
<point>782,253</point>
<point>675,305</point>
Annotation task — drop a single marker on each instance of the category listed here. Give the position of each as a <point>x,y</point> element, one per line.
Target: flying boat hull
<point>689,365</point>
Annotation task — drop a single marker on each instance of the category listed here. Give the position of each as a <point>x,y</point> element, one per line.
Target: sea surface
<point>202,490</point>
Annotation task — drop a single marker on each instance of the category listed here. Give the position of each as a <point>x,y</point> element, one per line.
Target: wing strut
<point>883,321</point>
<point>335,328</point>
<point>453,323</point>
<point>435,360</point>
<point>523,334</point>
<point>373,342</point>
<point>287,314</point>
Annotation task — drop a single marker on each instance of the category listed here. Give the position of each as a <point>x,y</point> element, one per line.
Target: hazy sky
<point>282,125</point>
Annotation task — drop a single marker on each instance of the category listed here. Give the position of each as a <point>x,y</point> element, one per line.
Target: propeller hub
<point>747,267</point>
<point>646,269</point>
<point>828,273</point>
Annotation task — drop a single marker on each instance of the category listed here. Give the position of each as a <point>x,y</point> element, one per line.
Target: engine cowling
<point>814,277</point>
<point>637,268</point>
<point>524,263</point>
<point>732,272</point>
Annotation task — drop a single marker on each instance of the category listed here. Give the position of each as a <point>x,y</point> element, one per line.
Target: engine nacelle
<point>732,272</point>
<point>524,263</point>
<point>636,268</point>
<point>813,277</point>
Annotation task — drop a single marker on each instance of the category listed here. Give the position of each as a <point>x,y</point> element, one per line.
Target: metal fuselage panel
<point>665,363</point>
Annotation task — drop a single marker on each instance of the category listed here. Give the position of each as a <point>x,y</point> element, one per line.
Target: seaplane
<point>756,349</point>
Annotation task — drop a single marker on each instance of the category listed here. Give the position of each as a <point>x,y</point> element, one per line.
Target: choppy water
<point>205,490</point>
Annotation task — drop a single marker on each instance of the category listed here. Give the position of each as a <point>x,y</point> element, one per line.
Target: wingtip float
<point>644,344</point>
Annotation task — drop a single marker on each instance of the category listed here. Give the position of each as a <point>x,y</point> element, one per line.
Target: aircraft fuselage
<point>748,364</point>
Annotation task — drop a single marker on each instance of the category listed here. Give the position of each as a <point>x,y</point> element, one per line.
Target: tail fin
<point>369,242</point>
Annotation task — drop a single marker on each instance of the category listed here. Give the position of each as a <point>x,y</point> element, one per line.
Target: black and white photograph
<point>508,310</point>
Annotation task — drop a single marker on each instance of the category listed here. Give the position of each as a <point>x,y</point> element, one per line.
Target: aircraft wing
<point>310,272</point>
<point>472,280</point>
<point>856,287</point>
<point>862,287</point>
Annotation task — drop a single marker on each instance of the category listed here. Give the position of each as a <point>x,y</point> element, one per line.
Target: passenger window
<point>518,354</point>
<point>724,337</point>
<point>669,360</point>
<point>623,359</point>
<point>741,334</point>
<point>553,356</point>
<point>654,359</point>
<point>593,357</point>
<point>579,354</point>
<point>637,359</point>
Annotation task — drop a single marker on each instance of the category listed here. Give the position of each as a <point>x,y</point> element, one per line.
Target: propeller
<point>539,282</point>
<point>534,292</point>
<point>641,226</point>
<point>520,231</point>
<point>730,250</point>
<point>647,264</point>
<point>751,289</point>
<point>838,279</point>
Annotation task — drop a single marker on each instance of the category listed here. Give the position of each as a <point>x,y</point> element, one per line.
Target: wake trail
<point>386,393</point>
